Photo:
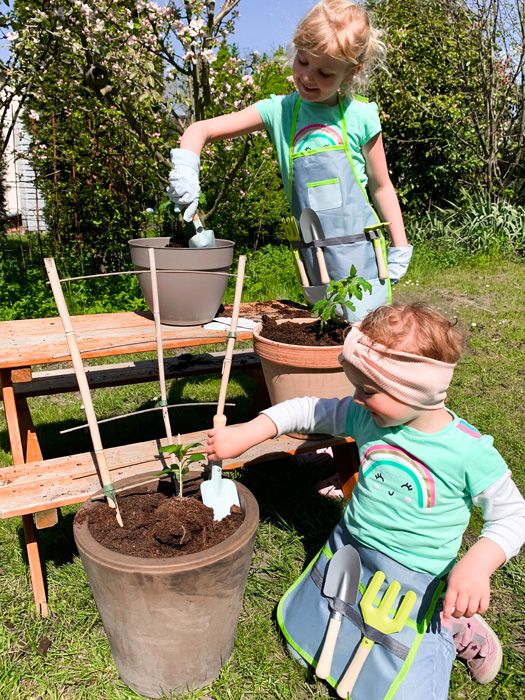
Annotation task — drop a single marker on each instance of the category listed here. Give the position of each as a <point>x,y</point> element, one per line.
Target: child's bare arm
<point>233,440</point>
<point>468,590</point>
<point>224,127</point>
<point>382,189</point>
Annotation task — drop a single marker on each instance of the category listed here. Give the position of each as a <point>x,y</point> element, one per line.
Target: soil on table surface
<point>158,524</point>
<point>304,333</point>
<point>254,310</point>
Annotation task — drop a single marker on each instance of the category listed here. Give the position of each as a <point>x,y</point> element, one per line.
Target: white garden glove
<point>184,187</point>
<point>398,259</point>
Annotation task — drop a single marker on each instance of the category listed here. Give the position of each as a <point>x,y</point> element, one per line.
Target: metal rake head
<point>378,616</point>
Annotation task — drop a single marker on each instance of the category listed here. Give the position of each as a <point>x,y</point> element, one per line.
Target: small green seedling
<point>340,293</point>
<point>184,458</point>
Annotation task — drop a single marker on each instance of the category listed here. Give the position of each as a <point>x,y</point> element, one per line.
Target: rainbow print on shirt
<point>399,473</point>
<point>316,136</point>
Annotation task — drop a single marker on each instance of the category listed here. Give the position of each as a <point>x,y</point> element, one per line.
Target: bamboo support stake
<point>226,365</point>
<point>158,339</point>
<point>83,386</point>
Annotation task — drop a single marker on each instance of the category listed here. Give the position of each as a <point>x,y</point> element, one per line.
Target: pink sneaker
<point>330,488</point>
<point>477,645</point>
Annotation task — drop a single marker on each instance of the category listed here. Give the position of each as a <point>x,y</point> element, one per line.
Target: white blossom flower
<point>12,36</point>
<point>34,115</point>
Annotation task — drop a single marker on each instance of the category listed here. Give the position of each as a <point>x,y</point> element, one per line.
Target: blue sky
<point>264,25</point>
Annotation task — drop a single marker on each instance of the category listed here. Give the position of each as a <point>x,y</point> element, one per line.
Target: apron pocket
<point>324,195</point>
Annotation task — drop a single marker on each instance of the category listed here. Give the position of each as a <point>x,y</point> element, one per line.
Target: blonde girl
<point>329,147</point>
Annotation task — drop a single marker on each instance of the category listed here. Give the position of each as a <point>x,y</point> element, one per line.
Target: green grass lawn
<point>67,655</point>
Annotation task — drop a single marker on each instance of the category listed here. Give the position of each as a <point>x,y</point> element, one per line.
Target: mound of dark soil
<point>304,333</point>
<point>159,525</point>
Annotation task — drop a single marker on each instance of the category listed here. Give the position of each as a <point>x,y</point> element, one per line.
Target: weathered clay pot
<point>170,622</point>
<point>191,281</point>
<point>300,370</point>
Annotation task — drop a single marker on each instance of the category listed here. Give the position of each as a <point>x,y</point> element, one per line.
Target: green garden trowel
<point>378,617</point>
<point>341,584</point>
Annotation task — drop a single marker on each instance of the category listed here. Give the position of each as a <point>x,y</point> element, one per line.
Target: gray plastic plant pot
<point>191,281</point>
<point>170,622</point>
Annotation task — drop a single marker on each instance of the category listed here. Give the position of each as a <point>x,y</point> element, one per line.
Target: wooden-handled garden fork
<point>378,617</point>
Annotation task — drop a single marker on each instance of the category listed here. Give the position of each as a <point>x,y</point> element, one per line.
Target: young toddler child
<point>422,469</point>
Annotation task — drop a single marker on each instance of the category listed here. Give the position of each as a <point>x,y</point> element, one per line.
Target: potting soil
<point>333,333</point>
<point>158,525</point>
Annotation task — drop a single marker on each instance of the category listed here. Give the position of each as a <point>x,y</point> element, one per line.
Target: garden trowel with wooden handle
<point>218,493</point>
<point>312,230</point>
<point>341,585</point>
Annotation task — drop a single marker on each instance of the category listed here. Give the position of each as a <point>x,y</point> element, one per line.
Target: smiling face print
<point>396,474</point>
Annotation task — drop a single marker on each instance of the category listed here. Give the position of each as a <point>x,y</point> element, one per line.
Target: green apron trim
<point>313,151</point>
<point>280,618</point>
<point>420,628</point>
<point>333,181</point>
<point>417,642</point>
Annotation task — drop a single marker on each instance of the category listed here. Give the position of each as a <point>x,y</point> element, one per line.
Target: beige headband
<point>412,379</point>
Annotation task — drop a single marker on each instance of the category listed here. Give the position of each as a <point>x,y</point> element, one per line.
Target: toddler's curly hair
<point>416,328</point>
<point>342,30</point>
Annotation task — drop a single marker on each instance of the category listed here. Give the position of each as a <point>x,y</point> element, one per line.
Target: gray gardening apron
<point>325,180</point>
<point>303,616</point>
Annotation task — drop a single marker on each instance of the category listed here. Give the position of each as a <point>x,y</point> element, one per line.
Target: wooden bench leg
<point>24,446</point>
<point>35,566</point>
<point>346,458</point>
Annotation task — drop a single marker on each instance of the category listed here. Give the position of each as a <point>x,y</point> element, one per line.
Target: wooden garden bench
<point>59,381</point>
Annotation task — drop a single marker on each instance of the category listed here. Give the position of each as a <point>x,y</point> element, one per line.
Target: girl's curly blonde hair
<point>342,30</point>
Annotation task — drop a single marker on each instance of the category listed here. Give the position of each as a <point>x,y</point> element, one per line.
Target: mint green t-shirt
<point>318,125</point>
<point>414,494</point>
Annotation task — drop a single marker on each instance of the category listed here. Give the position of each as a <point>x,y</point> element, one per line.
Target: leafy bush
<point>477,226</point>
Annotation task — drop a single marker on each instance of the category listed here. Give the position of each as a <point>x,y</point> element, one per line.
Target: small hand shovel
<point>218,493</point>
<point>341,583</point>
<point>203,238</point>
<point>312,230</point>
<point>379,618</point>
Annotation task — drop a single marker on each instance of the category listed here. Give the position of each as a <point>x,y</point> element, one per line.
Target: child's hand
<point>227,442</point>
<point>233,440</point>
<point>468,590</point>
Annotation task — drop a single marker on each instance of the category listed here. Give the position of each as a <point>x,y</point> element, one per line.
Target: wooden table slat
<point>64,481</point>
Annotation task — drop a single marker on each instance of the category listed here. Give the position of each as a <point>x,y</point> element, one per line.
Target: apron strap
<point>386,640</point>
<point>337,240</point>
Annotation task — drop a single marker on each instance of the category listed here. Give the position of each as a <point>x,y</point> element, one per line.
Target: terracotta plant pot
<point>191,281</point>
<point>170,622</point>
<point>300,370</point>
